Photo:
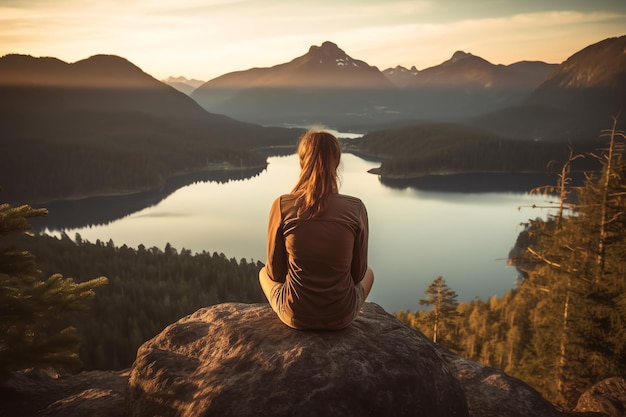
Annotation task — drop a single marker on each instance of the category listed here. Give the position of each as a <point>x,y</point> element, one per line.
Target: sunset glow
<point>204,39</point>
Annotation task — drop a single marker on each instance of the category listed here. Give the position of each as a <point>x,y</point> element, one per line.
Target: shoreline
<point>423,175</point>
<point>420,175</point>
<point>213,168</point>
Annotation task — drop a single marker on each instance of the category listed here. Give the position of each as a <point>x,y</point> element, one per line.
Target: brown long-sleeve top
<point>319,260</point>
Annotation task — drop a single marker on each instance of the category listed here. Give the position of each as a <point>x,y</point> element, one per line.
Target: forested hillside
<point>102,126</point>
<point>562,328</point>
<point>148,289</point>
<point>435,148</point>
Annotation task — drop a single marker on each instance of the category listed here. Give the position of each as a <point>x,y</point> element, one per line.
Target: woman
<point>316,275</point>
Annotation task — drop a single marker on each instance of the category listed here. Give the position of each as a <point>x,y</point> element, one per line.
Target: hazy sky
<point>207,38</point>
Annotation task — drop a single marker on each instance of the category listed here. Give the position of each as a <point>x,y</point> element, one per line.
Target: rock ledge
<point>240,360</point>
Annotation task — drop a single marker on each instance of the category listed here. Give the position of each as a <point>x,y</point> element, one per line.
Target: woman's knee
<point>266,282</point>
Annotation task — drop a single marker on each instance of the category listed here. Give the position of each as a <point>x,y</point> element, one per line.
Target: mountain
<point>601,65</point>
<point>532,73</point>
<point>593,77</point>
<point>183,84</point>
<point>100,83</point>
<point>464,70</point>
<point>191,82</point>
<point>322,67</point>
<point>570,107</point>
<point>324,85</point>
<point>327,85</point>
<point>575,101</point>
<point>102,125</point>
<point>467,85</point>
<point>400,75</point>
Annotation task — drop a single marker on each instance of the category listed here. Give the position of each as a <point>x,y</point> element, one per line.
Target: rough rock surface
<point>172,373</point>
<point>607,396</point>
<point>492,393</point>
<point>240,360</point>
<point>87,394</point>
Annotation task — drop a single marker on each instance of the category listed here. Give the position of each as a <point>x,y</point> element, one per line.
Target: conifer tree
<point>443,302</point>
<point>574,270</point>
<point>32,331</point>
<point>603,216</point>
<point>550,260</point>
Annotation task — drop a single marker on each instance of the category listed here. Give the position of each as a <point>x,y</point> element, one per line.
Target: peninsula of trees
<point>439,149</point>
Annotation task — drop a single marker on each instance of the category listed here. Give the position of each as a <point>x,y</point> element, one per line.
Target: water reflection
<point>95,211</point>
<point>415,234</point>
<point>478,182</point>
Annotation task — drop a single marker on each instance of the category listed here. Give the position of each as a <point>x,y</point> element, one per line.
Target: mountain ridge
<point>325,85</point>
<point>465,69</point>
<point>101,70</point>
<point>576,100</point>
<point>183,84</point>
<point>316,86</point>
<point>593,66</point>
<point>322,66</point>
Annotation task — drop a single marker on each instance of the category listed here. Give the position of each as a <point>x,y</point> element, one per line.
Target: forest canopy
<point>148,289</point>
<point>562,328</point>
<point>440,148</point>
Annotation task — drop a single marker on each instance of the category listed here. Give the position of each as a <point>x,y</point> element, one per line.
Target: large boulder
<point>240,360</point>
<point>248,348</point>
<point>607,397</point>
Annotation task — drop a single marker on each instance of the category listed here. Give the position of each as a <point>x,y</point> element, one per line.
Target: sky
<point>204,39</point>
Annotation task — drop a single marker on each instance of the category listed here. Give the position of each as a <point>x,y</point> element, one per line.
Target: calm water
<point>415,236</point>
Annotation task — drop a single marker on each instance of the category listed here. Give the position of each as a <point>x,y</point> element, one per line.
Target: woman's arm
<point>276,265</point>
<point>359,253</point>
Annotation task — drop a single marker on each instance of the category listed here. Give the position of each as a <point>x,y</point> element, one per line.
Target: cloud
<point>548,36</point>
<point>204,39</point>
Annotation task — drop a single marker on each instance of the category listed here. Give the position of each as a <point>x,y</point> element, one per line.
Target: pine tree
<point>549,284</point>
<point>603,214</point>
<point>443,302</point>
<point>32,331</point>
<point>574,270</point>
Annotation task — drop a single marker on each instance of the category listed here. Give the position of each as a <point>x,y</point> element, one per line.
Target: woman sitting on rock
<point>316,276</point>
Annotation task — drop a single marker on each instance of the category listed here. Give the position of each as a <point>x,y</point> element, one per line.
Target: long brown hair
<point>319,154</point>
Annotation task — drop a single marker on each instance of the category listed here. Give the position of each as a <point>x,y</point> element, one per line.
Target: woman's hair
<point>319,154</point>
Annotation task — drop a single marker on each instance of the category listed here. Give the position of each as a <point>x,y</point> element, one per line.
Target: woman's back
<point>316,275</point>
<point>323,257</point>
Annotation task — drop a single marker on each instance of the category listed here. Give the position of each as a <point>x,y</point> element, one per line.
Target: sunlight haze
<point>204,39</point>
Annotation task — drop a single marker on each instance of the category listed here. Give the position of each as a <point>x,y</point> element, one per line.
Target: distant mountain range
<point>102,125</point>
<point>183,84</point>
<point>464,70</point>
<point>401,76</point>
<point>328,86</point>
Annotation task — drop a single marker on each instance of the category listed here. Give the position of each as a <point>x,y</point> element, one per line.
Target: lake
<point>416,234</point>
